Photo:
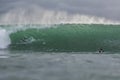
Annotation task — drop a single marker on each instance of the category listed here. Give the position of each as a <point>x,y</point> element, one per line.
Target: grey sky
<point>102,8</point>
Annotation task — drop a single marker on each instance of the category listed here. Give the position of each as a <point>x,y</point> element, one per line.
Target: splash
<point>37,15</point>
<point>4,39</point>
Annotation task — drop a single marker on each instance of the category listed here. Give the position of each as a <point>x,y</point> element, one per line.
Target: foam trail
<point>4,39</point>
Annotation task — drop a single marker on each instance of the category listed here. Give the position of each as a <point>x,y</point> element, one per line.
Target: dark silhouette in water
<point>101,50</point>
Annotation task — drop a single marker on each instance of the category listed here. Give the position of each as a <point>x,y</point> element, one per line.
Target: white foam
<point>4,39</point>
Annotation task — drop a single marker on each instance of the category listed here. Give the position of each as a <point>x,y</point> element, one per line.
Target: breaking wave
<point>62,37</point>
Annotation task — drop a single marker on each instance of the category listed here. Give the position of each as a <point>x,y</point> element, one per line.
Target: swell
<point>68,37</point>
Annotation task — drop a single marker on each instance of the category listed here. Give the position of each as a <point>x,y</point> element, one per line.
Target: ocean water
<point>61,38</point>
<point>59,52</point>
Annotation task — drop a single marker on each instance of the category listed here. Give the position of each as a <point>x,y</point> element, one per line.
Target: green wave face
<point>68,37</point>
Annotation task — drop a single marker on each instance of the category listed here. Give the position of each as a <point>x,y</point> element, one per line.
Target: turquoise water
<point>59,52</point>
<point>65,37</point>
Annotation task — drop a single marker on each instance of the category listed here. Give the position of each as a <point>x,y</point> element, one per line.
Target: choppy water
<point>25,65</point>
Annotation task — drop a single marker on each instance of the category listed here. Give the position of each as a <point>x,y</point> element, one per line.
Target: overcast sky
<point>109,9</point>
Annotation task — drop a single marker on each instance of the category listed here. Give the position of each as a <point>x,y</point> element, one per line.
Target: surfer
<point>101,50</point>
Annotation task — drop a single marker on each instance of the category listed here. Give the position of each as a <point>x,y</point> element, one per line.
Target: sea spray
<point>37,15</point>
<point>4,39</point>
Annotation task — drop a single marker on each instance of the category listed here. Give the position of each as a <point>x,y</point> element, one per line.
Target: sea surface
<point>25,65</point>
<point>60,52</point>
